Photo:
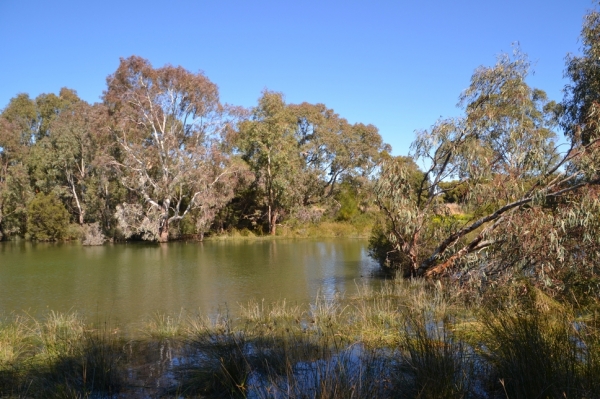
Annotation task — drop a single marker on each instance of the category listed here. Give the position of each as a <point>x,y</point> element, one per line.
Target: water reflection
<point>127,283</point>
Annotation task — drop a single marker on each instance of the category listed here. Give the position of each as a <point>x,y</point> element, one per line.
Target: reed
<point>405,340</point>
<point>538,354</point>
<point>59,356</point>
<point>433,363</point>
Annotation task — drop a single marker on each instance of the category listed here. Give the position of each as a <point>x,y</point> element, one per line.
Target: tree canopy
<point>167,122</point>
<point>515,183</point>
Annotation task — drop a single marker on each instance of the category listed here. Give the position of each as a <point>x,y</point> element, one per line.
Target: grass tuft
<point>406,339</point>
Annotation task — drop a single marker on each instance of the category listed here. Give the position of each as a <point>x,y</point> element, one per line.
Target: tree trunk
<point>79,208</point>
<point>163,232</point>
<point>273,223</point>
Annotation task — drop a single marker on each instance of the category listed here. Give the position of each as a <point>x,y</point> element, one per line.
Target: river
<point>126,284</point>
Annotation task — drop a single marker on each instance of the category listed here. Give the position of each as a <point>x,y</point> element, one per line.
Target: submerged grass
<point>405,340</point>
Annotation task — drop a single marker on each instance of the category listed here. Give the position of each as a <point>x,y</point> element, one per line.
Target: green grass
<point>359,228</point>
<point>57,357</point>
<point>408,339</point>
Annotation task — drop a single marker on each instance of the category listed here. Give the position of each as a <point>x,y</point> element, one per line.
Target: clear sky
<point>399,65</point>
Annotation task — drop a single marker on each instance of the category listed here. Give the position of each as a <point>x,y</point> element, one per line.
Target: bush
<point>47,218</point>
<point>347,198</point>
<point>92,234</point>
<point>383,251</point>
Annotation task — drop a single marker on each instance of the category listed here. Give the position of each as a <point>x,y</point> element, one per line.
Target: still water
<point>125,284</point>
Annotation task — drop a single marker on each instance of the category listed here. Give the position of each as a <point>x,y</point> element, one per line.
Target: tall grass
<point>405,340</point>
<point>294,229</point>
<point>433,364</point>
<point>58,356</point>
<point>537,354</point>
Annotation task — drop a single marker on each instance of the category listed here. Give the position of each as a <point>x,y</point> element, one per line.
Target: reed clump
<point>538,354</point>
<point>405,339</point>
<point>58,356</point>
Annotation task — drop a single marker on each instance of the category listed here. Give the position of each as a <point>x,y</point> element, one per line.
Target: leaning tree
<point>527,202</point>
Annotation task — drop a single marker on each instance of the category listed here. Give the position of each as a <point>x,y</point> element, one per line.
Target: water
<point>125,284</point>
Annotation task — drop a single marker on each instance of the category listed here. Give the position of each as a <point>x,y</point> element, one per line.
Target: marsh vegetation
<point>409,339</point>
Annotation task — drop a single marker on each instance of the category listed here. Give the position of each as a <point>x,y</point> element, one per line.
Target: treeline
<point>161,156</point>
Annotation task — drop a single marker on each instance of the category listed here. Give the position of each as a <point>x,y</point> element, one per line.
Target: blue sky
<point>398,65</point>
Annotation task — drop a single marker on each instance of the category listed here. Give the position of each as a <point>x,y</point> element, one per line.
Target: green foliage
<point>500,163</point>
<point>579,116</point>
<point>303,155</point>
<point>380,247</point>
<point>268,145</point>
<point>47,218</point>
<point>347,197</point>
<point>454,192</point>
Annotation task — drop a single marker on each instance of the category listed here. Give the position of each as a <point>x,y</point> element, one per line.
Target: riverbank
<point>328,229</point>
<point>407,339</point>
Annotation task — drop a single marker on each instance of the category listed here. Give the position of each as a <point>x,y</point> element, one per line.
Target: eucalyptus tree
<point>15,190</point>
<point>299,153</point>
<point>78,146</point>
<point>502,155</point>
<point>18,123</point>
<point>333,149</point>
<point>21,114</point>
<point>268,144</point>
<point>581,104</point>
<point>50,106</point>
<point>167,122</point>
<point>30,122</point>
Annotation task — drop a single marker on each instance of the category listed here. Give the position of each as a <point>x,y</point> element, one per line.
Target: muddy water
<point>125,284</point>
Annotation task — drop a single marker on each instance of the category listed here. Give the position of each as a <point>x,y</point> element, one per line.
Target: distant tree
<point>17,123</point>
<point>267,143</point>
<point>503,155</point>
<point>29,126</point>
<point>49,107</point>
<point>454,192</point>
<point>167,122</point>
<point>75,145</point>
<point>333,149</point>
<point>22,115</point>
<point>301,153</point>
<point>348,200</point>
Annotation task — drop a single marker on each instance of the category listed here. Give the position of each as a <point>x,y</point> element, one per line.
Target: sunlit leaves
<point>513,183</point>
<point>167,122</point>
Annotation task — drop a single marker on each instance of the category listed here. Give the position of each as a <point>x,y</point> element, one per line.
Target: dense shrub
<point>347,197</point>
<point>47,218</point>
<point>92,234</point>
